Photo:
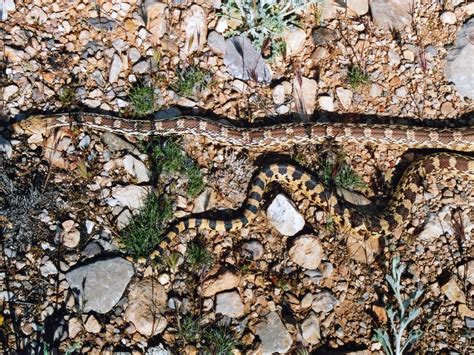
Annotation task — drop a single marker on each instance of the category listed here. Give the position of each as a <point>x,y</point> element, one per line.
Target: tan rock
<point>306,251</point>
<point>363,250</point>
<point>147,302</point>
<point>464,311</point>
<point>452,290</point>
<point>74,327</point>
<point>92,325</point>
<point>157,16</point>
<point>220,279</point>
<point>304,93</point>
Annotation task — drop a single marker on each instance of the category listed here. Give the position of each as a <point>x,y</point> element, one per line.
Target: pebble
<point>324,302</point>
<point>304,94</point>
<point>274,336</point>
<point>284,216</point>
<point>391,14</point>
<point>101,283</point>
<point>306,251</point>
<point>345,97</point>
<point>295,41</point>
<point>141,67</point>
<point>136,168</point>
<point>310,329</point>
<point>323,36</point>
<point>91,325</point>
<point>326,103</point>
<point>219,279</point>
<point>48,269</point>
<point>242,60</point>
<point>453,291</point>
<point>147,301</point>
<point>216,43</point>
<point>448,17</point>
<point>278,94</point>
<point>252,250</point>
<point>9,91</point>
<point>131,196</point>
<point>459,66</point>
<point>229,304</point>
<point>115,68</point>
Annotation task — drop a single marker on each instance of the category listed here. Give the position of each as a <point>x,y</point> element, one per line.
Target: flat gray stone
<point>244,62</point>
<point>459,67</point>
<point>274,336</point>
<point>101,283</point>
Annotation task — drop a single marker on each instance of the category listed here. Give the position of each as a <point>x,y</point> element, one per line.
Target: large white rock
<point>284,216</point>
<point>115,68</point>
<point>131,196</point>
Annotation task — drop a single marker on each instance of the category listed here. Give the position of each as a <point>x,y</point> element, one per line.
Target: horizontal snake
<point>386,222</point>
<point>456,139</point>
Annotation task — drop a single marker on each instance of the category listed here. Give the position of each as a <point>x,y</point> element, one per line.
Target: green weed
<point>357,77</point>
<point>198,257</point>
<point>341,175</point>
<point>144,232</point>
<point>221,340</point>
<point>170,158</point>
<point>143,100</point>
<point>190,81</point>
<point>67,96</point>
<point>189,330</point>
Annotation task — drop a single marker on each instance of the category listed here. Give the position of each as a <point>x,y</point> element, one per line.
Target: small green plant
<point>170,158</point>
<point>221,340</point>
<point>172,260</point>
<point>67,96</point>
<point>198,257</point>
<point>190,81</point>
<point>143,100</point>
<point>340,174</point>
<point>144,232</point>
<point>189,329</point>
<point>82,170</point>
<point>393,341</point>
<point>357,77</point>
<point>264,20</point>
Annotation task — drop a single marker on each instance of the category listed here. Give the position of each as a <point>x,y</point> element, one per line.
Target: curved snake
<point>390,219</point>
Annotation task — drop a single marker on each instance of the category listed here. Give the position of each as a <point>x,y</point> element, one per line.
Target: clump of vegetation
<point>221,340</point>
<point>340,174</point>
<point>189,330</point>
<point>357,77</point>
<point>142,100</point>
<point>145,230</point>
<point>190,81</point>
<point>265,20</point>
<point>393,340</point>
<point>67,96</point>
<point>170,158</point>
<point>198,257</point>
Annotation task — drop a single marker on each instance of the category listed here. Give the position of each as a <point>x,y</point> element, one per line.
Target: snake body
<point>456,139</point>
<point>390,219</point>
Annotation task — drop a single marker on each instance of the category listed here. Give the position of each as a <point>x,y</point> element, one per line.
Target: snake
<point>391,218</point>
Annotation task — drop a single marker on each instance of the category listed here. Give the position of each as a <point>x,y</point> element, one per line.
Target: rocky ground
<point>76,208</point>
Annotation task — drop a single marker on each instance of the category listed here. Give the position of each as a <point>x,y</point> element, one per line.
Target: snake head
<point>32,125</point>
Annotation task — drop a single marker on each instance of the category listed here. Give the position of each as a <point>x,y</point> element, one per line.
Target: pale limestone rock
<point>147,301</point>
<point>306,251</point>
